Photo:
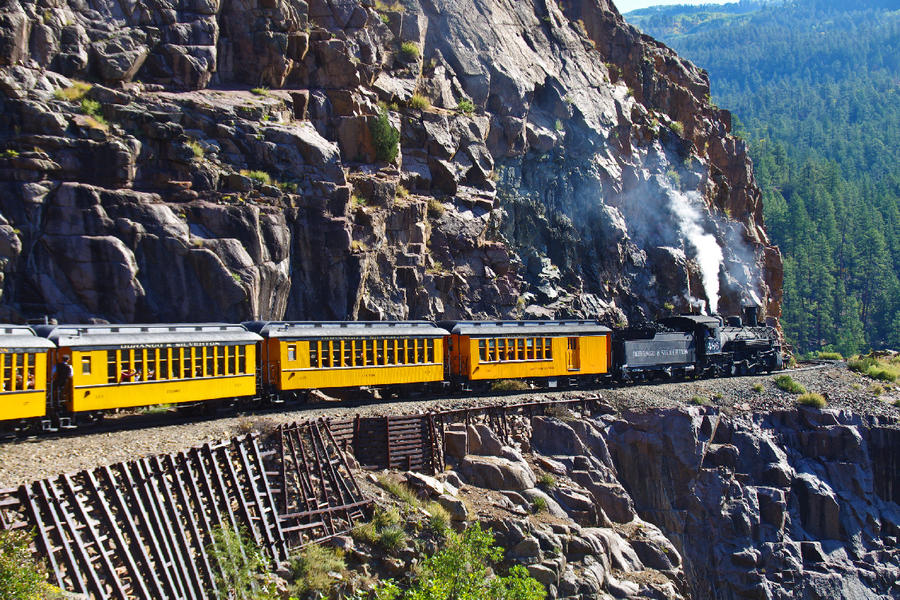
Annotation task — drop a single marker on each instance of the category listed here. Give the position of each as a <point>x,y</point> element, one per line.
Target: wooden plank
<point>43,493</point>
<point>239,495</point>
<point>219,484</point>
<point>156,559</point>
<point>43,535</point>
<point>176,517</point>
<point>163,529</point>
<point>269,497</point>
<point>254,490</point>
<point>196,459</point>
<point>138,579</point>
<point>188,495</point>
<point>358,493</point>
<point>82,515</point>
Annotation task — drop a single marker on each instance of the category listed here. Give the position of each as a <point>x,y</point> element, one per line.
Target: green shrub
<point>509,385</point>
<point>410,50</point>
<point>758,388</point>
<point>90,107</point>
<point>365,532</point>
<point>464,570</point>
<point>876,389</point>
<point>897,402</point>
<point>786,383</point>
<point>829,355</point>
<point>392,538</point>
<point>677,127</point>
<point>288,187</point>
<point>436,208</point>
<point>718,396</point>
<point>812,399</point>
<point>9,153</point>
<point>539,504</point>
<point>73,93</point>
<point>559,125</point>
<point>465,106</point>
<point>260,91</point>
<point>21,577</point>
<point>196,148</point>
<point>401,192</point>
<point>546,481</point>
<point>240,567</point>
<point>438,520</point>
<point>311,569</point>
<point>401,491</point>
<point>260,177</point>
<point>419,102</point>
<point>385,137</point>
<point>383,7</point>
<point>699,400</point>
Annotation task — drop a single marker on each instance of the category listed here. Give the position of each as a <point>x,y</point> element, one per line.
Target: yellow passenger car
<point>315,355</point>
<point>23,373</point>
<point>100,367</point>
<point>545,350</point>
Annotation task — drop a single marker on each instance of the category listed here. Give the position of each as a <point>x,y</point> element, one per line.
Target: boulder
<point>429,485</point>
<point>455,506</point>
<point>555,438</point>
<point>496,473</point>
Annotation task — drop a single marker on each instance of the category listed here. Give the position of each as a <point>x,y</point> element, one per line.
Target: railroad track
<point>136,421</point>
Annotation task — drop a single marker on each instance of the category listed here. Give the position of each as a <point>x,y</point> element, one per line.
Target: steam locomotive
<point>53,375</point>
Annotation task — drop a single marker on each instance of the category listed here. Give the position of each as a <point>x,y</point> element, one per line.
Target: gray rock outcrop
<point>168,191</point>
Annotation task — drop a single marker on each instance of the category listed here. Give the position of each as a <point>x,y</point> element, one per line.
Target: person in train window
<point>128,375</point>
<point>31,381</point>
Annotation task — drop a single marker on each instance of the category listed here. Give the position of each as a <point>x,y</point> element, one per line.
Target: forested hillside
<point>815,88</point>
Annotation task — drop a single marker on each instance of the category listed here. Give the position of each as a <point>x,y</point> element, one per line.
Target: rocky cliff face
<point>591,177</point>
<point>697,503</point>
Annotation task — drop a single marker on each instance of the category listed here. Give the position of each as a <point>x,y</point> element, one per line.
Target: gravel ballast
<point>133,436</point>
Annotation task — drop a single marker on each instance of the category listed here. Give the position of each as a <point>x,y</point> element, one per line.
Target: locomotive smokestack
<point>751,315</point>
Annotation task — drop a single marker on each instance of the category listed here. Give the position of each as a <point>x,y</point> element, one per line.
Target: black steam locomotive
<point>698,346</point>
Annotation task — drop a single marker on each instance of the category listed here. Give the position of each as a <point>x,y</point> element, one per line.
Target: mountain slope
<point>815,86</point>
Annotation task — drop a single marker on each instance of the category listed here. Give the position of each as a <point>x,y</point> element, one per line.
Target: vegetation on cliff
<point>814,84</point>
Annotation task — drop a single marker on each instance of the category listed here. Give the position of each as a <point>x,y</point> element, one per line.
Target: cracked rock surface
<point>540,147</point>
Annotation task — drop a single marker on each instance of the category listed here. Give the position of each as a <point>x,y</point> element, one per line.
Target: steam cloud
<point>685,208</point>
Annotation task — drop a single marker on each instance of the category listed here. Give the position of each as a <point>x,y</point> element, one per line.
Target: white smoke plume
<point>686,209</point>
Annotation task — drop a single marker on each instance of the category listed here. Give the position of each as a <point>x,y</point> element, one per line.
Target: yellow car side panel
<point>146,393</point>
<point>92,391</point>
<point>358,376</point>
<point>23,405</point>
<point>26,404</point>
<point>298,375</point>
<point>592,359</point>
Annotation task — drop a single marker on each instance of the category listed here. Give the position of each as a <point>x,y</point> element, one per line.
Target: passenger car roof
<point>344,329</point>
<point>21,338</point>
<point>194,334</point>
<point>524,328</point>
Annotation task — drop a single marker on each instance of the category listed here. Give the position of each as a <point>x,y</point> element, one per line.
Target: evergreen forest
<point>814,86</point>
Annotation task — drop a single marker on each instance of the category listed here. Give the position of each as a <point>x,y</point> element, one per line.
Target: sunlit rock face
<point>552,162</point>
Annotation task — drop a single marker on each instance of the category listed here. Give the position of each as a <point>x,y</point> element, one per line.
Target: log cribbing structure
<point>142,529</point>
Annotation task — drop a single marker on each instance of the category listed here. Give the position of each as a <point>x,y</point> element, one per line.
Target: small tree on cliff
<point>463,570</point>
<point>385,137</point>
